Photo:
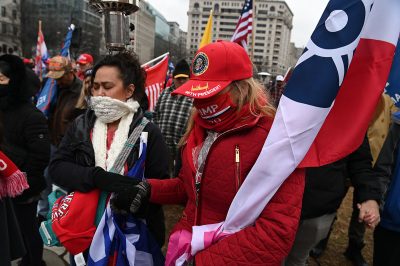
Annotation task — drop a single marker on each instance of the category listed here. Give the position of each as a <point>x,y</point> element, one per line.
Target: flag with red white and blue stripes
<point>325,108</point>
<point>41,54</point>
<point>244,25</point>
<point>123,240</point>
<point>47,97</point>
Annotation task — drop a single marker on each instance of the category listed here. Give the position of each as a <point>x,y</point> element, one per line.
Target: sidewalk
<point>53,256</point>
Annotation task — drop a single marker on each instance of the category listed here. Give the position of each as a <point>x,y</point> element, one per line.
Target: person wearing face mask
<point>27,145</point>
<point>223,140</point>
<point>92,145</point>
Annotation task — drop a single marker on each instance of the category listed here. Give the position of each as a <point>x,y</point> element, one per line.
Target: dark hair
<point>130,71</point>
<point>5,68</point>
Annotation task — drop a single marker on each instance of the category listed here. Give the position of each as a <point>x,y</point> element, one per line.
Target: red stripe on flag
<point>345,127</point>
<point>155,81</point>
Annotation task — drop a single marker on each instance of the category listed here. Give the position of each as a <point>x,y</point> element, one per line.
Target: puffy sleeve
<point>270,239</point>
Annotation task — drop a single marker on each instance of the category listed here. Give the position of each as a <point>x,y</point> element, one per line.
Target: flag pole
<point>40,52</point>
<point>155,59</point>
<point>252,34</point>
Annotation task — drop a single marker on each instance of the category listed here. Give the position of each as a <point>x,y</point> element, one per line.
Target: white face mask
<point>109,110</point>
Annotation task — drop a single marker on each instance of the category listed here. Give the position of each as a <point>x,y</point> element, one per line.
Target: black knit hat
<point>182,70</point>
<point>88,73</point>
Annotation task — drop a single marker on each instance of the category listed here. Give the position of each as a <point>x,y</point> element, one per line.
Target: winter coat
<point>25,132</point>
<point>64,112</point>
<point>73,163</point>
<point>11,243</point>
<point>326,185</point>
<point>387,168</point>
<point>269,240</point>
<point>380,124</point>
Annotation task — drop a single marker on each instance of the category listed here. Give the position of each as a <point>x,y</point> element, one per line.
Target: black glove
<point>112,182</point>
<point>132,199</point>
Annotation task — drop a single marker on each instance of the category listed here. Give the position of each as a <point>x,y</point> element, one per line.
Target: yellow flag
<point>207,32</point>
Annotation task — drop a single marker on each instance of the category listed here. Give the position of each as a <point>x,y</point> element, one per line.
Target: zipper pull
<point>237,154</point>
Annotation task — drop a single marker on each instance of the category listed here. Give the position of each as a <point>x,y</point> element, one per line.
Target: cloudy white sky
<point>306,15</point>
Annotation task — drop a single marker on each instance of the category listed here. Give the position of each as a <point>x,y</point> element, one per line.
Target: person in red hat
<point>84,62</point>
<point>224,137</point>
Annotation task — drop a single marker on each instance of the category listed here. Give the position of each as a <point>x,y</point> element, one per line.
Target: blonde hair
<point>250,92</point>
<point>82,104</point>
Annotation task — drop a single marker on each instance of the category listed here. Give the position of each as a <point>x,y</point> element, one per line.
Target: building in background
<point>56,16</point>
<point>182,53</point>
<point>154,35</point>
<point>177,42</point>
<point>10,27</point>
<point>162,32</point>
<point>144,33</point>
<point>272,24</point>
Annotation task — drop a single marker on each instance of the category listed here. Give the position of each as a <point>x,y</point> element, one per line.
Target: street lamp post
<point>116,22</point>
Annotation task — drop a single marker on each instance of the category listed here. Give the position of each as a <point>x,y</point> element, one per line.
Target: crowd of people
<point>195,149</point>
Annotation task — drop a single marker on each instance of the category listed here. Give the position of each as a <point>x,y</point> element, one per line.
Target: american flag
<point>245,25</point>
<point>155,81</point>
<point>41,54</point>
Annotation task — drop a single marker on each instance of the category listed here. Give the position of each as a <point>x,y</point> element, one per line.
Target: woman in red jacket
<point>224,138</point>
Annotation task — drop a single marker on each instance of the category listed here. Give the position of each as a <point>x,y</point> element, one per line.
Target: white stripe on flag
<point>386,12</point>
<point>97,248</point>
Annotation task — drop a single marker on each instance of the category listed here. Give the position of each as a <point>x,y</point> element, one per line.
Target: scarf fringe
<point>13,185</point>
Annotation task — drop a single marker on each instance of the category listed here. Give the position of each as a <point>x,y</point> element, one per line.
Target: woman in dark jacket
<point>27,144</point>
<point>93,141</point>
<point>11,244</point>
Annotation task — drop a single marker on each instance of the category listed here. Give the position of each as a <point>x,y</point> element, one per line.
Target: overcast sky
<point>306,15</point>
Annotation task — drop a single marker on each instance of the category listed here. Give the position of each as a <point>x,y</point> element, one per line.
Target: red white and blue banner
<point>325,108</point>
<point>393,83</point>
<point>123,240</point>
<point>47,97</point>
<point>244,25</point>
<point>41,54</point>
<point>155,81</point>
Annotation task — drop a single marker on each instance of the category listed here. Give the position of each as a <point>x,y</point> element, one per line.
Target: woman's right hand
<point>132,199</point>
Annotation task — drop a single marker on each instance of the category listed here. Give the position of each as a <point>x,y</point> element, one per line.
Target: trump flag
<point>155,81</point>
<point>325,108</point>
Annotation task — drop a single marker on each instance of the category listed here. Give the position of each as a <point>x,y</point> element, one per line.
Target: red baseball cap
<point>84,59</point>
<point>214,67</point>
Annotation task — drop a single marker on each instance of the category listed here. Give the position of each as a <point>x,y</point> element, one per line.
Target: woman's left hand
<point>132,199</point>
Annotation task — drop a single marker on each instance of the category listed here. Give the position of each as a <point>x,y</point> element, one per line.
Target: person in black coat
<point>27,144</point>
<point>84,158</point>
<point>324,191</point>
<point>11,243</point>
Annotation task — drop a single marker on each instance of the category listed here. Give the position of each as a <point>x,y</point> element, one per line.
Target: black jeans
<point>386,247</point>
<point>26,216</point>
